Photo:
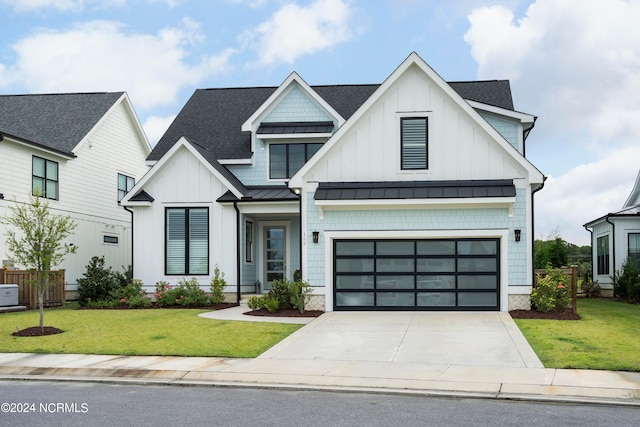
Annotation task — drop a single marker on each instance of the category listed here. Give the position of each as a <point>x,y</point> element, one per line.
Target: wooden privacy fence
<point>54,296</point>
<point>572,274</point>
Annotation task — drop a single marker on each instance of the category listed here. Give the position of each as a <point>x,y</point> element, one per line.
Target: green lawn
<point>607,337</point>
<point>166,332</point>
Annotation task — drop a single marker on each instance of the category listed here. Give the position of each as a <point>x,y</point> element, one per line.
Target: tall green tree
<point>37,244</point>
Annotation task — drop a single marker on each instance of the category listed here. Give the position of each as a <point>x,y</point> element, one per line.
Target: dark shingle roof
<point>414,190</point>
<point>492,92</point>
<point>213,117</point>
<point>54,121</point>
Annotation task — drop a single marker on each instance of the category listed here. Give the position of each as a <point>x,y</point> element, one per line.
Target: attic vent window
<point>414,138</point>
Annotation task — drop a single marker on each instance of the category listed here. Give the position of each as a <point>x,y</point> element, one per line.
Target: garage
<point>416,274</point>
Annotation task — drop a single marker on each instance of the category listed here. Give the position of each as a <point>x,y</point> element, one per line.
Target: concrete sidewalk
<point>291,364</point>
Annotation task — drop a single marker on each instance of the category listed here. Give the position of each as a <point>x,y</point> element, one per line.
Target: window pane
<point>52,170</point>
<point>354,248</point>
<point>122,182</point>
<point>354,282</point>
<point>38,185</point>
<point>395,282</point>
<point>130,183</point>
<point>436,282</point>
<point>296,158</point>
<point>394,299</point>
<point>445,265</point>
<point>312,149</point>
<point>38,167</point>
<point>277,161</point>
<point>176,241</point>
<point>198,241</point>
<point>477,282</point>
<point>346,299</point>
<point>477,264</point>
<point>52,190</point>
<point>436,299</point>
<point>478,247</point>
<point>436,247</point>
<point>395,248</point>
<point>478,299</point>
<point>386,265</point>
<point>414,143</point>
<point>358,265</point>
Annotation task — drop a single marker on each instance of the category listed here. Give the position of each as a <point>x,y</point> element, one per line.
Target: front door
<point>275,247</point>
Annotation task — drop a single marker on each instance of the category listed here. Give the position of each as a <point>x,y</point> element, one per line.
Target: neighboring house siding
<point>87,189</point>
<point>296,106</point>
<point>507,128</point>
<point>184,182</point>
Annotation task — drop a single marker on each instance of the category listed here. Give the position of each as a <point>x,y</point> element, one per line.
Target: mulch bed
<point>552,315</point>
<point>35,331</point>
<point>284,313</point>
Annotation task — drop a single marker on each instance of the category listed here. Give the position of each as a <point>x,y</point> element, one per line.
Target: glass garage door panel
<point>425,274</point>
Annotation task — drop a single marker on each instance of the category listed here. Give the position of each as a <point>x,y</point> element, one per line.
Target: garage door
<point>426,274</point>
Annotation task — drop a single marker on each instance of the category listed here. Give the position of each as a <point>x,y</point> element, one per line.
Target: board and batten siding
<point>458,149</point>
<point>183,182</point>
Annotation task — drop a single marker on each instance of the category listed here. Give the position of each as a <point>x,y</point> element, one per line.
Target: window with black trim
<point>602,254</point>
<point>110,239</point>
<point>634,247</point>
<point>187,241</point>
<point>125,184</point>
<point>248,241</point>
<point>45,178</point>
<point>286,159</point>
<point>413,142</point>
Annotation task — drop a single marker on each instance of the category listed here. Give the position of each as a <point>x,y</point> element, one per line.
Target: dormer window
<point>286,159</point>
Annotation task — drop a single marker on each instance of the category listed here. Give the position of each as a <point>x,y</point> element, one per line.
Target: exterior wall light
<point>517,232</point>
<point>316,236</point>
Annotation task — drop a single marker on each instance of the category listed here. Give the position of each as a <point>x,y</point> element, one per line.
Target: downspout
<point>591,252</point>
<point>525,134</point>
<point>612,248</point>
<point>238,293</point>
<point>533,235</point>
<point>131,212</point>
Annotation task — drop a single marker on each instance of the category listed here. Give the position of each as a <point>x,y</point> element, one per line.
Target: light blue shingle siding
<point>415,219</point>
<point>297,106</point>
<point>508,129</point>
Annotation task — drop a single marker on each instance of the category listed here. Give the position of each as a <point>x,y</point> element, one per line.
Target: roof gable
<point>206,157</point>
<point>54,121</point>
<point>413,62</point>
<point>634,197</point>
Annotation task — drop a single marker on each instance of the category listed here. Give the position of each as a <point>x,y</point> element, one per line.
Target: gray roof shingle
<point>213,117</point>
<point>54,121</point>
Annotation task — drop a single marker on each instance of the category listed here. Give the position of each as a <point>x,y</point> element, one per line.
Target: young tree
<point>38,245</point>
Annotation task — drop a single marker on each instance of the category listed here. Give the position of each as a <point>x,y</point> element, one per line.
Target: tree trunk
<point>42,286</point>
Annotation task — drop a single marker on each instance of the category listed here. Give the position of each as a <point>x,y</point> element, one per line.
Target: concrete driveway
<point>489,339</point>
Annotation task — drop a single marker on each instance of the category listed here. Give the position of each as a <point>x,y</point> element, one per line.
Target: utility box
<point>8,295</point>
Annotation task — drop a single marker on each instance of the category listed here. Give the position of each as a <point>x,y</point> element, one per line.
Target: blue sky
<point>573,63</point>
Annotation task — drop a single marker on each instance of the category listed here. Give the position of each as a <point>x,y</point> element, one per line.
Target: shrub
<point>272,304</point>
<point>591,289</point>
<point>186,294</point>
<point>300,294</point>
<point>217,286</point>
<point>97,282</point>
<point>256,303</point>
<point>551,292</point>
<point>131,295</point>
<point>281,290</point>
<point>626,283</point>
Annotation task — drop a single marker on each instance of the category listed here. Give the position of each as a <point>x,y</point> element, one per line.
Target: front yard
<point>607,337</point>
<point>163,332</point>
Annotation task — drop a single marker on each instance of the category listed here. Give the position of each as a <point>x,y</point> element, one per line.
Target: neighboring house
<point>614,237</point>
<point>82,152</point>
<point>412,194</point>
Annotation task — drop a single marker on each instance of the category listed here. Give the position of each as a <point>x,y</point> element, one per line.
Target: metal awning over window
<point>282,128</point>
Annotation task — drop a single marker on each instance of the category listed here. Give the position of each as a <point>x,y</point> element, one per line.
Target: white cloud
<point>155,127</point>
<point>294,31</point>
<point>575,64</point>
<point>585,193</point>
<point>103,56</point>
<point>250,3</point>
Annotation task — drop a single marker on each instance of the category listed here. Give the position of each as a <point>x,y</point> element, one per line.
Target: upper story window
<point>125,184</point>
<point>413,140</point>
<point>286,159</point>
<point>45,178</point>
<point>603,254</point>
<point>187,241</point>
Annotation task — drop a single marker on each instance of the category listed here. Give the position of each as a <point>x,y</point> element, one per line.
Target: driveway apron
<point>489,339</point>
